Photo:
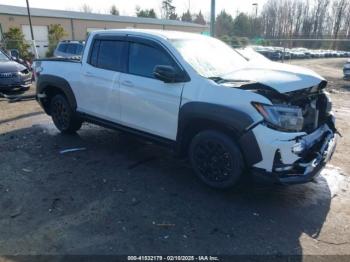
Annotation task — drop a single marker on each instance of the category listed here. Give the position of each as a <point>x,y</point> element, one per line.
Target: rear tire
<point>63,116</point>
<point>216,159</point>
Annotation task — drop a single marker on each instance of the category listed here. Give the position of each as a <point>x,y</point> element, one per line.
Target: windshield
<point>3,57</point>
<point>208,56</point>
<point>250,54</point>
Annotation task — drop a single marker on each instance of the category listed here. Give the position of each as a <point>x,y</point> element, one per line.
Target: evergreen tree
<point>186,17</point>
<point>150,13</point>
<point>200,19</point>
<point>224,24</point>
<point>14,39</point>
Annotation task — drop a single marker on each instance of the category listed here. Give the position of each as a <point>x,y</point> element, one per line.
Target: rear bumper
<point>319,147</point>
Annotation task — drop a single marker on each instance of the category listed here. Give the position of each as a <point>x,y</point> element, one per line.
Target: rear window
<point>62,47</point>
<point>72,48</point>
<point>79,49</point>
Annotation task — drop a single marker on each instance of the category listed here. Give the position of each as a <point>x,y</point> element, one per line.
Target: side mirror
<point>167,74</point>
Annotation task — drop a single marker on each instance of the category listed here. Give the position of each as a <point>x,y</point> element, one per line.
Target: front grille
<point>9,79</point>
<point>7,75</point>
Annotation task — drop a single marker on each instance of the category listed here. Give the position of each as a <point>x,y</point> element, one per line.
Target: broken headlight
<point>286,118</point>
<point>23,72</point>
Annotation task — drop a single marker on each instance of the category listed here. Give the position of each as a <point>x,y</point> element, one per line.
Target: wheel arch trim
<point>47,81</point>
<point>234,121</point>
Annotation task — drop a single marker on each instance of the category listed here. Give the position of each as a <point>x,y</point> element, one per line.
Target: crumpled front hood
<point>281,77</point>
<point>10,67</point>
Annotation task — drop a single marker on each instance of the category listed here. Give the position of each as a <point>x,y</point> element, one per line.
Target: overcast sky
<point>127,7</point>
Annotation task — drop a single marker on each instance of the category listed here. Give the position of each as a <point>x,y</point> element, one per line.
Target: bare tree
<point>339,8</point>
<point>302,10</point>
<point>114,10</point>
<point>269,17</point>
<point>320,11</point>
<point>346,25</point>
<point>305,19</point>
<point>86,8</point>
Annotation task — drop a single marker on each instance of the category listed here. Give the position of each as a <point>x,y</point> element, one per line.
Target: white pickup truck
<point>227,113</point>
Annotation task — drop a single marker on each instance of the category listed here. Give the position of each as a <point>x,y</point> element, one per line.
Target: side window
<point>144,58</point>
<point>108,54</point>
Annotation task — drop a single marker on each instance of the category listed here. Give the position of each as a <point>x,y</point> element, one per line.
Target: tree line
<point>168,11</point>
<point>305,20</point>
<point>278,19</point>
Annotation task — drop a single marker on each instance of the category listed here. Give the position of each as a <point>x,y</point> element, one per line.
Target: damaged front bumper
<point>300,158</point>
<point>15,83</point>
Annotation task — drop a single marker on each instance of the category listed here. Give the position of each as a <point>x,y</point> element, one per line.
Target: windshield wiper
<point>220,80</point>
<point>216,78</point>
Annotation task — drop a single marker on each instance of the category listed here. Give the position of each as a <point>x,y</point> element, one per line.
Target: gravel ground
<point>124,196</point>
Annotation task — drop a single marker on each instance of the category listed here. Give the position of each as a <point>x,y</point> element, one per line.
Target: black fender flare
<point>234,121</point>
<point>46,81</point>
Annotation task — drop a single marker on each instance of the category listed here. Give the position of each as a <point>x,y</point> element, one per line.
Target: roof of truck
<point>165,34</point>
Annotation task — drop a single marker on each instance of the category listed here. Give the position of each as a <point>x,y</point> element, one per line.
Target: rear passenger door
<point>149,104</point>
<point>98,94</point>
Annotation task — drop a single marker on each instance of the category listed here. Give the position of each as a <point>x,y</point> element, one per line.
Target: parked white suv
<point>198,96</point>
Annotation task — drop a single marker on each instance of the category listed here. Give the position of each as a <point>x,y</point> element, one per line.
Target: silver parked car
<point>69,49</point>
<point>13,75</point>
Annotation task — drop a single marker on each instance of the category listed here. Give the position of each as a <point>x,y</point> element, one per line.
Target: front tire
<point>216,159</point>
<point>63,116</point>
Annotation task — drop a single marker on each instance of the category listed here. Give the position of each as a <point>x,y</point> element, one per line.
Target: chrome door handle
<point>127,83</point>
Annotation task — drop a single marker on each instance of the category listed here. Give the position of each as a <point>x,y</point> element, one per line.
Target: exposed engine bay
<point>309,107</point>
<point>316,107</point>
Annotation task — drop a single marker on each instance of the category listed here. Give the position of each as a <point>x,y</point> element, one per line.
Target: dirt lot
<point>124,196</point>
